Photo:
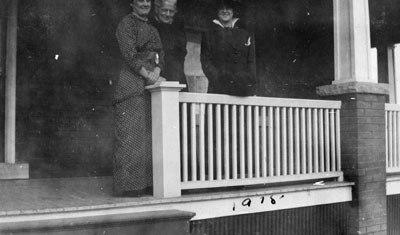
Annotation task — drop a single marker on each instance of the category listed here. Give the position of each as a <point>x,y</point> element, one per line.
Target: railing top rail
<point>257,101</point>
<point>392,107</point>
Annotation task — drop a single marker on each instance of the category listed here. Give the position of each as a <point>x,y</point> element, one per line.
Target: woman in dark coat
<point>228,55</point>
<point>173,37</point>
<point>143,56</point>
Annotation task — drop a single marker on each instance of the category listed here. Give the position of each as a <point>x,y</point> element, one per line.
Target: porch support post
<point>9,169</point>
<point>11,82</point>
<point>165,139</point>
<point>355,61</point>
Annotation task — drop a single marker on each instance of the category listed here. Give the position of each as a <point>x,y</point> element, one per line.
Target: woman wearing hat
<point>228,54</point>
<point>143,57</point>
<point>173,37</point>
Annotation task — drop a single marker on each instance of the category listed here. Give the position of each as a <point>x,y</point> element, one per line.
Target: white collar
<point>217,22</point>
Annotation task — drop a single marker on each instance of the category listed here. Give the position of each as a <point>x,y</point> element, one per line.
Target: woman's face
<point>141,7</point>
<point>225,15</point>
<point>165,13</point>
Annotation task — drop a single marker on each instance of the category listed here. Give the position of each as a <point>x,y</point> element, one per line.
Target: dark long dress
<point>228,60</point>
<point>173,38</point>
<point>138,41</point>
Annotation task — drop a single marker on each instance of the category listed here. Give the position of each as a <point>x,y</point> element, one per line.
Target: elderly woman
<point>141,49</point>
<point>228,55</point>
<point>173,38</point>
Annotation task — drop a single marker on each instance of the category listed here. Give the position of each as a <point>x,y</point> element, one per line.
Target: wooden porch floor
<point>63,195</point>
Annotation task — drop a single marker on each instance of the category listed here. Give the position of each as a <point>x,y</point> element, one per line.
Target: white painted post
<point>11,82</point>
<point>394,73</point>
<point>353,57</point>
<point>165,139</point>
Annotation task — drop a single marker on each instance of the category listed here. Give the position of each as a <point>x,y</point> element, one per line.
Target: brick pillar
<point>363,152</point>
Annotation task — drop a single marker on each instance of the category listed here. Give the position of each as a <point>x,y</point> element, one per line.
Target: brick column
<point>363,152</point>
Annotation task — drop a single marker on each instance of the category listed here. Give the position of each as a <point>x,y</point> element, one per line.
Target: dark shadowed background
<point>68,62</point>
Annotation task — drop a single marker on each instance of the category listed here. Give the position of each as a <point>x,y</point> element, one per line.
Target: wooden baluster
<point>218,140</point>
<point>185,137</point>
<point>201,143</point>
<point>234,142</point>
<point>193,141</point>
<point>327,147</point>
<point>338,148</point>
<point>321,140</point>
<point>332,139</point>
<point>210,130</point>
<point>290,142</point>
<point>277,142</point>
<point>226,143</point>
<point>271,141</point>
<point>297,140</point>
<point>315,140</point>
<point>284,142</point>
<point>249,142</point>
<point>242,144</point>
<point>256,129</point>
<point>309,142</point>
<point>303,141</point>
<point>264,141</point>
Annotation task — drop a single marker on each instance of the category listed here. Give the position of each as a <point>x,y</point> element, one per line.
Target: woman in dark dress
<point>173,37</point>
<point>141,49</point>
<point>228,55</point>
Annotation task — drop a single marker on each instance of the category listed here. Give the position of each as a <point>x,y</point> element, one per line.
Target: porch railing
<point>221,141</point>
<point>392,137</point>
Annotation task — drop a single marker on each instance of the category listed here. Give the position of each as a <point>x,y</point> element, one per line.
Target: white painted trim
<point>392,107</point>
<point>265,180</point>
<point>254,100</point>
<point>393,185</point>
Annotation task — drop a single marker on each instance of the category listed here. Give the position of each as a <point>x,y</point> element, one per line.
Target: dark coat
<point>228,60</point>
<point>173,38</point>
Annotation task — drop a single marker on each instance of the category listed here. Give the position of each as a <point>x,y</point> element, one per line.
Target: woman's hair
<point>160,3</point>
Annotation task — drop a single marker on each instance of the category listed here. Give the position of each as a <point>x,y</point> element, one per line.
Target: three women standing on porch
<point>141,49</point>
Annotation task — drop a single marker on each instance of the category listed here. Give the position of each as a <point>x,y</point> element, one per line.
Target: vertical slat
<point>218,141</point>
<point>264,141</point>
<point>241,142</point>
<point>332,139</point>
<point>226,142</point>
<point>315,140</point>
<point>284,141</point>
<point>309,142</point>
<point>290,142</point>
<point>277,141</point>
<point>394,139</point>
<point>249,142</point>
<point>201,143</point>
<point>193,140</point>
<point>256,128</point>
<point>210,138</point>
<point>297,140</point>
<point>397,154</point>
<point>184,142</point>
<point>387,137</point>
<point>321,140</point>
<point>390,139</point>
<point>326,139</point>
<point>303,141</point>
<point>338,147</point>
<point>271,141</point>
<point>234,142</point>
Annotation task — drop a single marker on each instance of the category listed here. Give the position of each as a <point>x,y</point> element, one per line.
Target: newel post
<point>165,139</point>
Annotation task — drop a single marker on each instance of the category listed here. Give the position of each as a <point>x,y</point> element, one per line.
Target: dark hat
<point>221,4</point>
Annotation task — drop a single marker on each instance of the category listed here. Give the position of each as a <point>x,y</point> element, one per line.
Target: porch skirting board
<point>14,171</point>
